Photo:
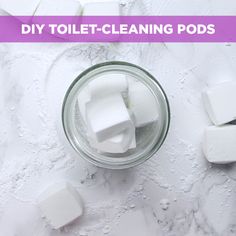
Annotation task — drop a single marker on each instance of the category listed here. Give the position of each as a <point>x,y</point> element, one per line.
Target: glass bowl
<point>148,138</point>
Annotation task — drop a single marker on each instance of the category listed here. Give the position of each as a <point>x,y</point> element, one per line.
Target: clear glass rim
<point>112,165</point>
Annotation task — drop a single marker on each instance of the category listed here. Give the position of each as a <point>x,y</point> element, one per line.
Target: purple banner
<point>118,29</point>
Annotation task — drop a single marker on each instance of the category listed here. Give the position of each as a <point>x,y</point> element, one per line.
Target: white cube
<point>143,104</point>
<point>120,143</point>
<point>117,144</point>
<point>133,143</point>
<point>219,144</point>
<point>107,117</point>
<point>19,7</point>
<point>109,8</point>
<point>59,8</point>
<point>108,84</point>
<point>60,205</point>
<point>219,102</point>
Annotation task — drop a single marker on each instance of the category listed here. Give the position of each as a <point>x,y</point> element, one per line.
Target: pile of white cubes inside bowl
<point>60,8</point>
<point>219,143</point>
<point>112,106</point>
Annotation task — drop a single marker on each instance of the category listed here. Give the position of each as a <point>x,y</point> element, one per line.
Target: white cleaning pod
<point>107,117</point>
<point>59,8</point>
<point>143,104</point>
<point>219,144</point>
<point>60,204</point>
<point>109,8</point>
<point>19,7</point>
<point>219,102</point>
<point>108,84</point>
<point>120,143</point>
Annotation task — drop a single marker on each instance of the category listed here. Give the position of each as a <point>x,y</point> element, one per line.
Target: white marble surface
<point>175,193</point>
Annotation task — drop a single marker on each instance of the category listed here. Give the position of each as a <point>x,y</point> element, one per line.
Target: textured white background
<point>176,193</point>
